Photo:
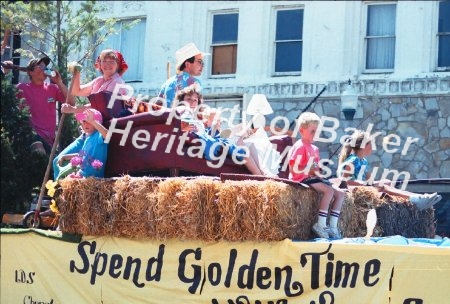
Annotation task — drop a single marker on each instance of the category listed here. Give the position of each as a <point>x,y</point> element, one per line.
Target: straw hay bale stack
<point>205,208</point>
<point>264,211</point>
<point>133,207</point>
<point>87,205</point>
<point>396,216</point>
<point>186,209</point>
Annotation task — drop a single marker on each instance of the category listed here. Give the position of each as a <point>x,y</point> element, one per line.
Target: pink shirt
<point>41,99</point>
<point>99,84</point>
<point>303,151</point>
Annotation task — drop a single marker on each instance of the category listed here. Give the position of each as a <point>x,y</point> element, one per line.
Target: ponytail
<point>345,152</point>
<point>353,142</point>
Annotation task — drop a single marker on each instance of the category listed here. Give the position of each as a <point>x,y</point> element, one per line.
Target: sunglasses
<point>201,62</point>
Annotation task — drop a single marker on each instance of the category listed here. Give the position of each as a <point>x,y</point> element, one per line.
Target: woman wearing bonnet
<point>112,66</point>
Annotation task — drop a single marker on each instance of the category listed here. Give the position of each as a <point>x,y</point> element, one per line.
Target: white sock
<point>322,218</point>
<point>334,218</point>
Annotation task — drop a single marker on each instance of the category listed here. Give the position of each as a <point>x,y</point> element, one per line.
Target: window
<point>226,103</point>
<point>130,42</point>
<point>13,41</point>
<point>444,35</point>
<point>380,37</point>
<point>224,43</point>
<point>289,40</point>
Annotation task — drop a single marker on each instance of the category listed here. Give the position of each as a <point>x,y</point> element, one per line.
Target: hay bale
<point>95,207</point>
<point>262,211</point>
<point>67,205</point>
<point>396,216</point>
<point>133,207</point>
<point>179,208</point>
<point>203,208</point>
<point>303,207</point>
<point>204,191</point>
<point>354,211</point>
<point>400,218</point>
<point>86,207</point>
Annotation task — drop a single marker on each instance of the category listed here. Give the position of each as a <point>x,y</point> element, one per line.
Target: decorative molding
<point>412,87</point>
<point>106,7</point>
<point>135,6</point>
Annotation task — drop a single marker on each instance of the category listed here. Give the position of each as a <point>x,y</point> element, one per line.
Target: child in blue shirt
<point>87,154</point>
<point>353,162</point>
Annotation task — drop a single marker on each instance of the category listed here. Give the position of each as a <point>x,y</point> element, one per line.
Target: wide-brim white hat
<point>186,52</point>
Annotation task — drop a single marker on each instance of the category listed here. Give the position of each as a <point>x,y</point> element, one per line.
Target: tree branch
<point>36,49</point>
<point>98,42</point>
<point>40,29</point>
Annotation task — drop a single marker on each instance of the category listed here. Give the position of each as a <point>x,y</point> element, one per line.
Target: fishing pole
<point>307,107</point>
<point>357,127</point>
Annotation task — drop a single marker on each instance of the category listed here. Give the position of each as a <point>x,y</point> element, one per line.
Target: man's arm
<point>62,87</point>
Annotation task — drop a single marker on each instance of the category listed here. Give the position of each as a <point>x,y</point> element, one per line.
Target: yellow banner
<point>38,269</point>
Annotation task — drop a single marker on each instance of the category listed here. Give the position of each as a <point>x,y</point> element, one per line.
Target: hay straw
<point>86,208</point>
<point>133,207</point>
<point>203,208</point>
<point>354,211</point>
<point>303,209</point>
<point>254,210</point>
<point>179,208</point>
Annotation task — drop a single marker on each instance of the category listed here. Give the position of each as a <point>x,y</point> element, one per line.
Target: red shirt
<point>303,151</point>
<point>41,99</point>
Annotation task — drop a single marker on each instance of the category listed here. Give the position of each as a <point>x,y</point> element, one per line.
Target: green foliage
<point>21,170</point>
<point>63,31</point>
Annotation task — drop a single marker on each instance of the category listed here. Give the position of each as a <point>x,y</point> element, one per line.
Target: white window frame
<point>212,45</point>
<point>364,37</point>
<point>275,9</point>
<point>226,102</point>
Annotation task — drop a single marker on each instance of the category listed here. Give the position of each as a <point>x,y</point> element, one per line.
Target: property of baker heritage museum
<point>232,152</point>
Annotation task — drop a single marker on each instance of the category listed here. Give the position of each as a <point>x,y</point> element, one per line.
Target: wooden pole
<point>50,160</point>
<point>168,69</point>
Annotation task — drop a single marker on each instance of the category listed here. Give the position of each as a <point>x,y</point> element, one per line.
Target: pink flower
<point>96,164</point>
<point>75,161</point>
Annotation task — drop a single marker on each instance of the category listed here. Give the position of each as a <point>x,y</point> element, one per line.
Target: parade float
<point>164,227</point>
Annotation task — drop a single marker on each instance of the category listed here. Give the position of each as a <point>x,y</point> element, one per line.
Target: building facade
<point>395,53</point>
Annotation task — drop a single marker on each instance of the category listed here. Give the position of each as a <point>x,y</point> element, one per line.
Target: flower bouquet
<point>74,169</point>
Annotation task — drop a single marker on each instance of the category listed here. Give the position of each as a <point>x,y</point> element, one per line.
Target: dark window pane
<point>225,28</point>
<point>289,25</point>
<point>288,57</point>
<point>444,51</point>
<point>224,59</point>
<point>444,17</point>
<point>381,20</point>
<point>380,53</point>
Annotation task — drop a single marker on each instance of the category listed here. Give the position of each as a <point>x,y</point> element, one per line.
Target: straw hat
<point>186,52</point>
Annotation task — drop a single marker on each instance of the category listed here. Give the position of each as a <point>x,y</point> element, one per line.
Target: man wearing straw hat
<point>189,63</point>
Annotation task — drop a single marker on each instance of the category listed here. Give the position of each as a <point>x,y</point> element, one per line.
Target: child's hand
<point>61,160</point>
<point>73,67</point>
<point>187,127</point>
<point>67,108</point>
<point>314,169</point>
<point>89,116</point>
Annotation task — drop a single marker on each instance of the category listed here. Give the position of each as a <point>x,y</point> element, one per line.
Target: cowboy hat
<point>186,52</point>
